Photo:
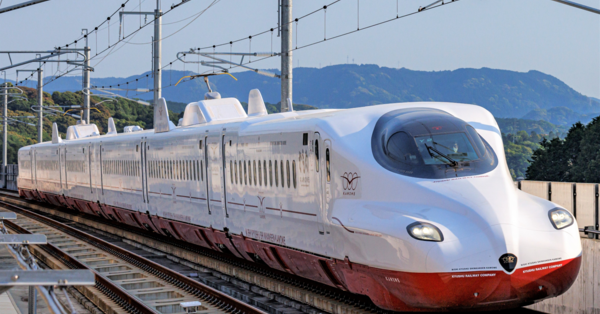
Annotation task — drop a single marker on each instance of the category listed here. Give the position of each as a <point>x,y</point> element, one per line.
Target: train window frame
<point>202,170</point>
<point>276,175</point>
<point>245,174</point>
<point>328,165</point>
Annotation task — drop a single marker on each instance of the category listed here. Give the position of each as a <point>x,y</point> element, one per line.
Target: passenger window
<point>287,167</point>
<point>282,177</point>
<point>188,170</point>
<point>259,174</point>
<point>240,170</point>
<point>294,172</point>
<point>202,170</point>
<point>276,175</point>
<point>231,170</point>
<point>245,175</point>
<point>271,172</point>
<point>235,169</point>
<point>254,172</point>
<point>265,171</point>
<point>317,154</point>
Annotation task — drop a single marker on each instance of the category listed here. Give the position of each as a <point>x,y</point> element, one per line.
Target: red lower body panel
<point>391,290</point>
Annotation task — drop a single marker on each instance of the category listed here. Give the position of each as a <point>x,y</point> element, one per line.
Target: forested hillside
<point>123,111</point>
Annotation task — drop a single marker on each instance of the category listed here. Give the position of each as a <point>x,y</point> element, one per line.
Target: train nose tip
<point>508,261</point>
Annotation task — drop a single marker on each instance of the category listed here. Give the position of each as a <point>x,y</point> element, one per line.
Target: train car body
<point>371,200</point>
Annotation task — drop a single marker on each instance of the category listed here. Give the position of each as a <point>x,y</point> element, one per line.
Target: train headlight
<point>425,232</point>
<point>560,218</point>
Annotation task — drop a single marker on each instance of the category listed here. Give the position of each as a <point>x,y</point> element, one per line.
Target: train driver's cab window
<point>429,143</point>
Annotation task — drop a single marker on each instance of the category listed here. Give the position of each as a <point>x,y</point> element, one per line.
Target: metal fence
<point>581,199</point>
<point>8,177</point>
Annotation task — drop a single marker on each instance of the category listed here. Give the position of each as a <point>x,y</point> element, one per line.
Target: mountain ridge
<point>506,94</point>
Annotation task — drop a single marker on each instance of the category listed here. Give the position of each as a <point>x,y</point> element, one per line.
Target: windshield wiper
<point>451,161</point>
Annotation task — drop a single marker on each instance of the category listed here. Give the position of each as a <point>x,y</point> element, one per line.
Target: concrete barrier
<point>581,199</point>
<point>584,295</point>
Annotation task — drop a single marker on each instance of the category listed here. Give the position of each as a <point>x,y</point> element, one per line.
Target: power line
<point>197,16</point>
<point>420,10</point>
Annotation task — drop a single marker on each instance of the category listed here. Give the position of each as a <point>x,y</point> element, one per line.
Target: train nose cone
<point>508,261</point>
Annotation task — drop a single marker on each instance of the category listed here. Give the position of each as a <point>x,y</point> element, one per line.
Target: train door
<point>34,168</point>
<point>207,173</point>
<point>143,148</point>
<point>326,183</point>
<point>226,143</point>
<point>31,167</point>
<point>319,184</point>
<point>90,167</point>
<point>64,152</point>
<point>60,170</point>
<point>101,196</point>
<point>215,175</point>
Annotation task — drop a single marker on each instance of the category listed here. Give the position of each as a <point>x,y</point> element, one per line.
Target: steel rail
<point>334,297</point>
<point>74,263</point>
<point>219,299</point>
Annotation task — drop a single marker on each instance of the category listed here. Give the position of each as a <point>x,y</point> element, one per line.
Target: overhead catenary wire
<point>111,47</point>
<point>398,17</point>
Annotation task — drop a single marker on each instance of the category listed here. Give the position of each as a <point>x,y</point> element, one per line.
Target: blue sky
<point>519,35</point>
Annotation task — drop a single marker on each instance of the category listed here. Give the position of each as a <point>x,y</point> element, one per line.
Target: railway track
<point>268,289</point>
<point>126,282</point>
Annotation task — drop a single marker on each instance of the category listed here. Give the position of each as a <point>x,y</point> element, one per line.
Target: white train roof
<point>229,112</point>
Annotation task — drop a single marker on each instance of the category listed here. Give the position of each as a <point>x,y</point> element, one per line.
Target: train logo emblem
<point>303,161</point>
<point>350,183</point>
<point>509,259</point>
<point>508,262</point>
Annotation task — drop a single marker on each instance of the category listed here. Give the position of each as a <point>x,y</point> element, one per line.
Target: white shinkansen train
<point>410,204</point>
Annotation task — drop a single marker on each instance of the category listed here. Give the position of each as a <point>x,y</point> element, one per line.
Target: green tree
<point>586,167</point>
<point>549,162</point>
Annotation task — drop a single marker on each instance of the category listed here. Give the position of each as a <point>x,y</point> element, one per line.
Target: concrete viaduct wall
<point>581,199</point>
